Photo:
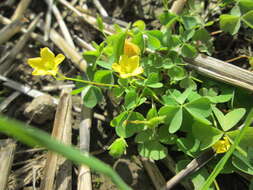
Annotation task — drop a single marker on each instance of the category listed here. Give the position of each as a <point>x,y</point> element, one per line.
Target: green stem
<point>91,82</point>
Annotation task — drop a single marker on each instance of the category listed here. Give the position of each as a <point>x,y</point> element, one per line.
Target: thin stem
<point>236,58</point>
<point>91,82</point>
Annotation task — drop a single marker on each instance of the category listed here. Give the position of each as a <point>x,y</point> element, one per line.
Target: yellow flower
<point>128,66</point>
<point>130,49</point>
<point>221,146</point>
<point>47,63</point>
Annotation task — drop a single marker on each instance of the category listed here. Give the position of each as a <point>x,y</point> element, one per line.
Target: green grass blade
<point>35,137</point>
<point>225,158</point>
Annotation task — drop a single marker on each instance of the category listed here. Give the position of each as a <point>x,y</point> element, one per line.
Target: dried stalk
<point>7,150</point>
<point>178,6</point>
<point>71,53</point>
<point>6,67</point>
<point>48,20</point>
<point>8,100</point>
<point>83,43</point>
<point>20,10</point>
<point>63,179</point>
<point>23,88</point>
<point>62,25</point>
<point>171,165</point>
<point>84,175</point>
<point>193,166</point>
<point>62,124</point>
<point>154,173</point>
<point>100,8</point>
<point>87,18</point>
<point>10,30</point>
<point>222,71</point>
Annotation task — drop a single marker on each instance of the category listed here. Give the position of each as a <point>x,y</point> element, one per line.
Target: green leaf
<point>164,137</point>
<point>118,45</point>
<point>37,138</point>
<point>130,100</point>
<point>242,163</point>
<point>168,111</point>
<point>118,92</point>
<point>230,23</point>
<point>118,147</point>
<point>181,99</point>
<point>153,81</point>
<point>232,118</point>
<point>104,76</point>
<point>219,115</point>
<point>140,24</point>
<point>77,91</point>
<point>168,19</point>
<point>202,35</point>
<point>189,51</point>
<point>245,6</point>
<point>248,19</point>
<point>199,109</point>
<point>152,112</point>
<point>177,73</point>
<point>152,150</point>
<point>128,129</point>
<point>118,120</point>
<point>189,22</point>
<point>188,83</point>
<point>92,95</point>
<point>144,136</point>
<point>91,56</point>
<point>189,145</point>
<point>104,64</point>
<point>206,134</point>
<point>176,121</point>
<point>100,23</point>
<point>246,141</point>
<point>153,42</point>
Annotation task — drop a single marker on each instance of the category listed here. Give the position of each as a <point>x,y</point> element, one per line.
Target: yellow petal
<point>34,62</point>
<point>130,49</point>
<point>39,72</point>
<point>46,54</point>
<point>116,67</point>
<point>138,71</point>
<point>58,59</point>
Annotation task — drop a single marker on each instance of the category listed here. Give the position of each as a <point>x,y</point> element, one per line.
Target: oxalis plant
<point>163,106</point>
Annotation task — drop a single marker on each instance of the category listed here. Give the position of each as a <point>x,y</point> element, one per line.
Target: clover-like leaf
<point>230,23</point>
<point>92,95</point>
<point>152,150</point>
<point>118,147</point>
<point>206,134</point>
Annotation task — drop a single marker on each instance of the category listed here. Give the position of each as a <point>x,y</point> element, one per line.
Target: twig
<point>222,71</point>
<point>100,8</point>
<point>10,30</point>
<point>84,175</point>
<point>171,165</point>
<point>7,150</point>
<point>83,43</point>
<point>62,25</point>
<point>48,20</point>
<point>154,173</point>
<point>5,68</point>
<point>8,100</point>
<point>89,19</point>
<point>20,10</point>
<point>23,88</point>
<point>62,127</point>
<point>71,53</point>
<point>34,35</point>
<point>193,166</point>
<point>178,6</point>
<point>50,88</point>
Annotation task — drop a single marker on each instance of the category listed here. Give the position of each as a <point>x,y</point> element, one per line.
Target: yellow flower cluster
<point>47,63</point>
<point>221,146</point>
<point>129,62</point>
